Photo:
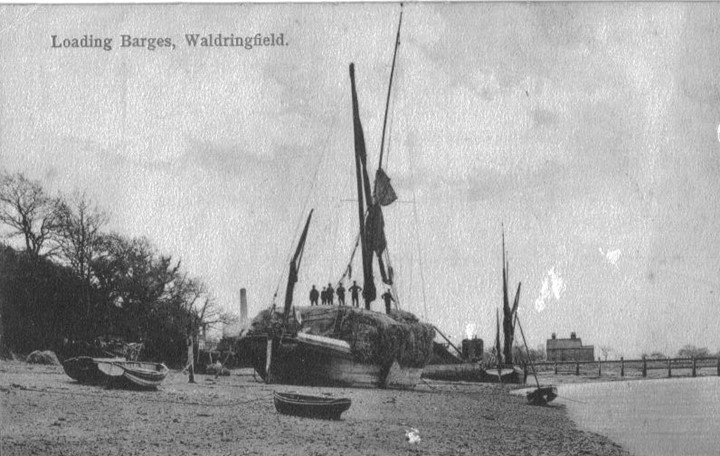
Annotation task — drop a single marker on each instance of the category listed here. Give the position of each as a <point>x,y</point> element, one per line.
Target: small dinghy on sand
<point>84,369</point>
<point>326,408</point>
<point>134,374</point>
<point>542,395</point>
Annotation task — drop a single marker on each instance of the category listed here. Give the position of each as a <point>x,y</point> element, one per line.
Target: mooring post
<point>599,367</point>
<point>644,369</point>
<point>669,368</point>
<point>268,359</point>
<point>556,368</point>
<point>191,359</point>
<point>622,366</point>
<point>577,368</point>
<point>694,369</point>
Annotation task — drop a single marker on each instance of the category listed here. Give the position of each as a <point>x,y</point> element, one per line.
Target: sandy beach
<point>44,412</point>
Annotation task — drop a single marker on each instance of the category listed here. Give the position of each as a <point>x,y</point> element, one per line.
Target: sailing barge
<point>340,346</point>
<point>345,346</point>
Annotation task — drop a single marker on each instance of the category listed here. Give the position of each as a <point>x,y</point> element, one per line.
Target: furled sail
<point>294,267</point>
<point>375,230</point>
<point>363,186</point>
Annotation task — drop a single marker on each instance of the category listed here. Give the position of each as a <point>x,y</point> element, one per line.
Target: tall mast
<point>369,291</point>
<point>506,299</point>
<point>294,267</point>
<point>387,102</point>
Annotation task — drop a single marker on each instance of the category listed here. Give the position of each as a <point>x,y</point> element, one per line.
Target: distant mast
<point>509,313</point>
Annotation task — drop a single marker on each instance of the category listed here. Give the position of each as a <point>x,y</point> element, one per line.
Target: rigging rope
<point>299,225</point>
<point>417,239</point>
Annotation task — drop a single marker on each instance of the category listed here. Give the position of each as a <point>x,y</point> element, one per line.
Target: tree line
<point>66,278</point>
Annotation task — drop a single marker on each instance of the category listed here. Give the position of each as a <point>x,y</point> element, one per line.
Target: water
<point>651,417</point>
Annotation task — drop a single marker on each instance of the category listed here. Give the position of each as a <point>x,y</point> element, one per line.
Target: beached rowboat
<point>84,369</point>
<point>542,395</point>
<point>327,408</point>
<point>134,373</point>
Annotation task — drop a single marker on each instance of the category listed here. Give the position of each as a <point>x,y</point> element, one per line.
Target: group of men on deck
<point>327,296</point>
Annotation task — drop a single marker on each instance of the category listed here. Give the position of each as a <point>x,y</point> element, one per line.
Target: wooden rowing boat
<point>84,369</point>
<point>327,408</point>
<point>542,395</point>
<point>136,374</point>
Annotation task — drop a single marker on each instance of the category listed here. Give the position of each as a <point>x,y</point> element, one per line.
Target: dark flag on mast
<point>383,193</point>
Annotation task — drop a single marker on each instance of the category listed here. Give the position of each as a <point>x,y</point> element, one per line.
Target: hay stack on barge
<point>340,346</point>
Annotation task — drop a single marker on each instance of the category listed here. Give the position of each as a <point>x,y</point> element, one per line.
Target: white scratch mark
<point>553,286</point>
<point>611,255</point>
<point>469,330</point>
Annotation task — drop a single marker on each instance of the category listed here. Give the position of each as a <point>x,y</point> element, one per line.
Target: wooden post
<point>644,368</point>
<point>599,367</point>
<point>577,368</point>
<point>268,359</point>
<point>718,366</point>
<point>622,366</point>
<point>669,368</point>
<point>556,367</point>
<point>191,359</point>
<point>694,368</point>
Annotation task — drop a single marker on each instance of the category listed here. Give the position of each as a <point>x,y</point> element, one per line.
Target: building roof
<point>559,344</point>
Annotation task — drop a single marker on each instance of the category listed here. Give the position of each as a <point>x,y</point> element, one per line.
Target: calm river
<point>651,417</point>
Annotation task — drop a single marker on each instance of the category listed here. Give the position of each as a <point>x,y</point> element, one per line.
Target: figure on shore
<point>355,294</point>
<point>341,294</point>
<point>387,297</point>
<point>330,295</point>
<point>323,296</point>
<point>314,296</point>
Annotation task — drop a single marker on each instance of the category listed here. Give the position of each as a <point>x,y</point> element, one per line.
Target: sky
<point>589,132</point>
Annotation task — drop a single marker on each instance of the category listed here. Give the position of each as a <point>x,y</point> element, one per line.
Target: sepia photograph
<point>360,228</point>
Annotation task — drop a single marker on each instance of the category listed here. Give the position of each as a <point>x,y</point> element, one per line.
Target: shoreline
<point>45,412</point>
<point>671,417</point>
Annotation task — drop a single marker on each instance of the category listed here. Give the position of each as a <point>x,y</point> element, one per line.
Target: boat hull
<point>472,372</point>
<point>310,406</point>
<point>134,374</point>
<point>318,362</point>
<point>84,369</point>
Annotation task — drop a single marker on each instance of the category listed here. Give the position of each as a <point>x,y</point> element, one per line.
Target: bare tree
<point>29,212</point>
<point>201,309</point>
<point>81,223</point>
<point>201,305</point>
<point>605,350</point>
<point>689,351</point>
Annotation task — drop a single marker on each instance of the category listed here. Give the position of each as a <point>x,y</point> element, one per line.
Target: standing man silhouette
<point>314,296</point>
<point>341,294</point>
<point>330,295</point>
<point>387,297</point>
<point>355,290</point>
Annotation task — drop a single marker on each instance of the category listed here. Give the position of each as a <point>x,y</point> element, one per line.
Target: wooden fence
<point>629,366</point>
